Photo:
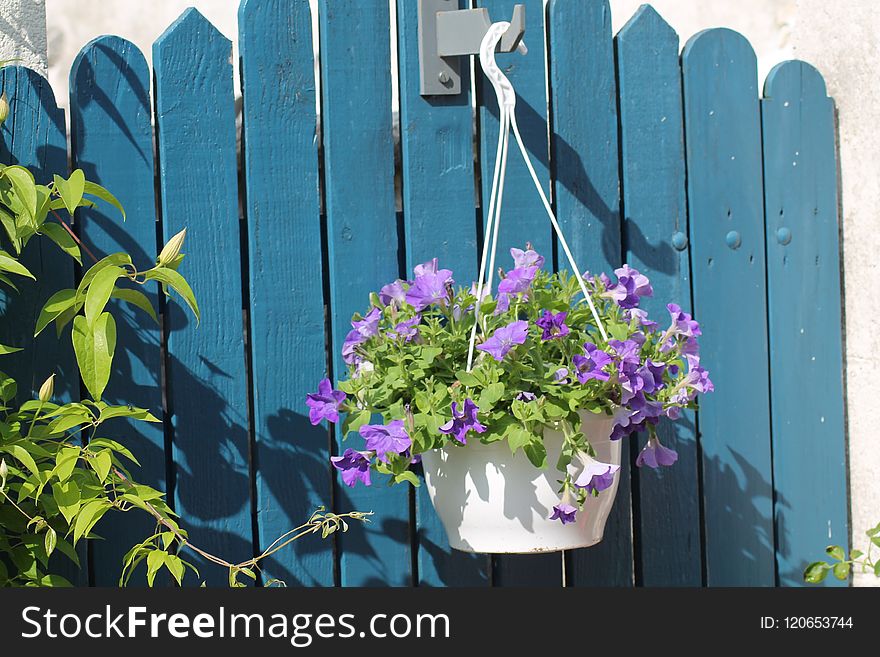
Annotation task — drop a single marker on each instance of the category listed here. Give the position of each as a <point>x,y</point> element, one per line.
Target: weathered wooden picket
<point>671,163</point>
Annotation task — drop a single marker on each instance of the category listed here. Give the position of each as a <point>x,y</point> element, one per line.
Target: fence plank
<point>655,230</point>
<point>438,186</point>
<point>207,384</point>
<point>112,142</point>
<point>34,136</point>
<point>523,217</point>
<point>803,290</point>
<point>584,149</point>
<point>725,198</point>
<point>362,246</point>
<point>286,295</point>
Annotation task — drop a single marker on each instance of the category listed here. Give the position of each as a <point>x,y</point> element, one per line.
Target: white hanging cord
<point>506,96</point>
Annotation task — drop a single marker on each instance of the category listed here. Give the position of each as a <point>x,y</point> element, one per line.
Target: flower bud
<point>4,108</point>
<point>4,471</point>
<point>47,389</point>
<point>171,250</point>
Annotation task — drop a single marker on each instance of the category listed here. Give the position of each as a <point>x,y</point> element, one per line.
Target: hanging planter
<point>515,401</point>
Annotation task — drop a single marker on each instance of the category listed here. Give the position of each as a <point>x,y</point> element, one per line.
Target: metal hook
<point>446,32</point>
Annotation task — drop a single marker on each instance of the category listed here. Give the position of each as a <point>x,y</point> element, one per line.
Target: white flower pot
<point>490,500</point>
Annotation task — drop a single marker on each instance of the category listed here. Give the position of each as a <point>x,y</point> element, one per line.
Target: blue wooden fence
<point>671,163</point>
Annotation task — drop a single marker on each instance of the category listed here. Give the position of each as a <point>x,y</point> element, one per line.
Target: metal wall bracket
<point>447,32</point>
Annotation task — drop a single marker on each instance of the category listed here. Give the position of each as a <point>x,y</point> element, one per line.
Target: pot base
<point>492,501</point>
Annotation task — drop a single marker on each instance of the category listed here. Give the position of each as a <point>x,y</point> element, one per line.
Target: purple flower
<point>408,329</point>
<point>553,325</point>
<point>386,438</point>
<point>561,375</point>
<point>429,267</point>
<point>682,322</point>
<point>564,512</point>
<point>463,421</point>
<point>526,396</point>
<point>517,280</point>
<point>642,317</point>
<point>590,366</point>
<point>354,466</point>
<point>626,353</point>
<point>429,288</point>
<point>654,454</point>
<point>369,325</point>
<point>503,304</point>
<point>631,286</point>
<point>393,292</point>
<point>324,404</point>
<point>527,258</point>
<point>352,340</point>
<point>595,476</point>
<point>505,338</point>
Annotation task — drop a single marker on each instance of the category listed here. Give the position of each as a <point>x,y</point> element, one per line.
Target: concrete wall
<point>841,38</point>
<point>23,32</point>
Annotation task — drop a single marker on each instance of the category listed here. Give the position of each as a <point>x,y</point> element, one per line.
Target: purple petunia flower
<point>526,396</point>
<point>642,317</point>
<point>408,329</point>
<point>654,454</point>
<point>352,340</point>
<point>324,404</point>
<point>517,280</point>
<point>590,366</point>
<point>565,512</point>
<point>386,438</point>
<point>561,375</point>
<point>354,466</point>
<point>626,352</point>
<point>429,288</point>
<point>630,288</point>
<point>505,338</point>
<point>429,267</point>
<point>596,476</point>
<point>369,325</point>
<point>682,322</point>
<point>463,421</point>
<point>527,258</point>
<point>393,293</point>
<point>553,325</point>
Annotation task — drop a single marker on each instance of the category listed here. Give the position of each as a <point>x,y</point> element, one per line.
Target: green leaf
<point>62,238</point>
<point>94,348</point>
<point>407,475</point>
<point>13,266</point>
<point>536,453</point>
<point>94,189</point>
<point>57,304</point>
<point>111,412</point>
<point>114,446</point>
<point>178,284</point>
<point>816,572</point>
<point>877,569</point>
<point>22,455</point>
<point>7,281</point>
<point>25,189</point>
<point>835,552</point>
<point>71,190</point>
<point>55,581</point>
<point>855,554</point>
<point>65,462</point>
<point>518,437</point>
<point>101,464</point>
<point>175,567</point>
<point>155,560</point>
<point>135,298</point>
<point>354,421</point>
<point>8,350</point>
<point>117,259</point>
<point>67,496</point>
<point>90,514</point>
<point>100,290</point>
<point>68,422</point>
<point>841,570</point>
<point>51,541</point>
<point>491,394</point>
<point>467,378</point>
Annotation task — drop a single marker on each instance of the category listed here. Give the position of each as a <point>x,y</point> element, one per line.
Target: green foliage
<point>841,564</point>
<point>61,472</point>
